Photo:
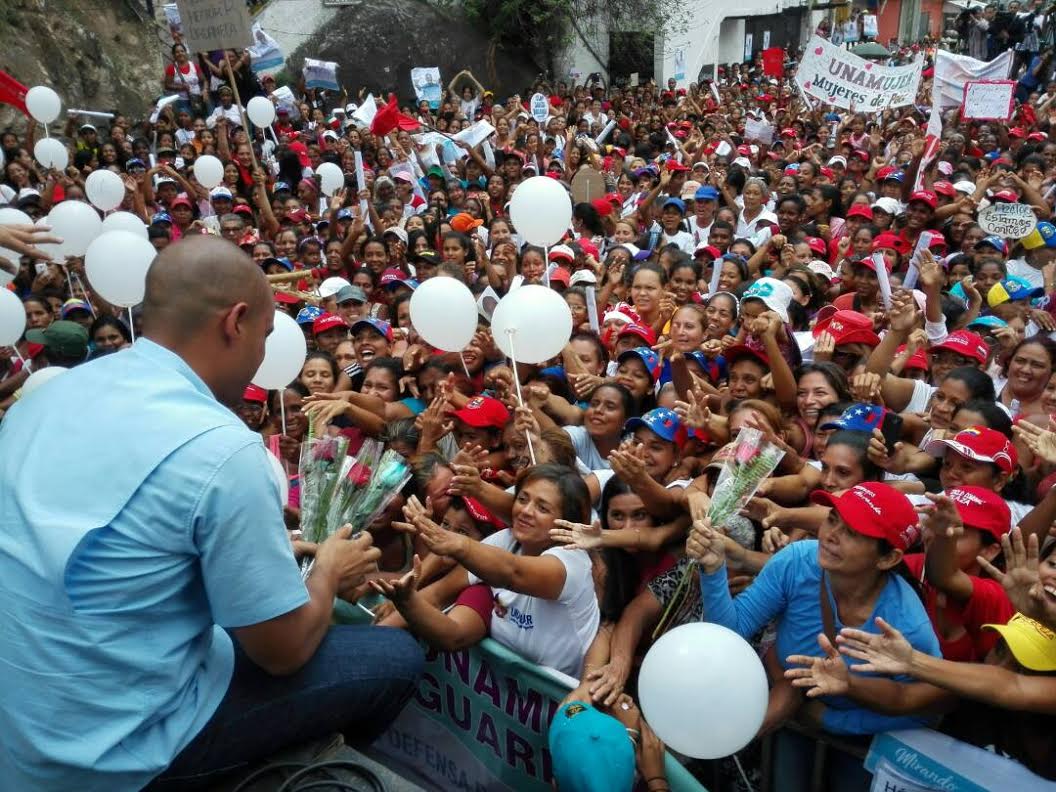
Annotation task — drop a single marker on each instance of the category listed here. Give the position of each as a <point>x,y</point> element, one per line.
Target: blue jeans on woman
<point>356,683</point>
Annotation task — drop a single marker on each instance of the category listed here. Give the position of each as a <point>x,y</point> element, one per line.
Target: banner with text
<point>215,24</point>
<point>479,723</point>
<point>988,100</point>
<point>320,74</point>
<point>835,76</point>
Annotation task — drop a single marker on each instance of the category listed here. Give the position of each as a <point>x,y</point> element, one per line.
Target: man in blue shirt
<point>124,575</point>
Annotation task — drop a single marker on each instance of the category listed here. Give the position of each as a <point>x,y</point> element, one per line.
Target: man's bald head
<point>197,279</point>
<point>208,302</point>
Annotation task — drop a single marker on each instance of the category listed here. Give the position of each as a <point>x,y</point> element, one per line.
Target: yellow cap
<point>1032,240</point>
<point>1031,643</point>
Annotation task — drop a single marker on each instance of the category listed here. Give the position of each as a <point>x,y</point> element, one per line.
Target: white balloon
<point>50,153</point>
<point>77,224</point>
<point>125,221</point>
<point>50,249</point>
<point>12,318</point>
<point>284,354</point>
<point>261,111</point>
<point>43,104</point>
<point>331,179</point>
<point>209,171</point>
<point>104,189</point>
<point>531,324</point>
<point>39,377</point>
<point>9,216</point>
<point>541,210</point>
<point>700,668</point>
<point>116,264</point>
<point>275,466</point>
<point>444,312</point>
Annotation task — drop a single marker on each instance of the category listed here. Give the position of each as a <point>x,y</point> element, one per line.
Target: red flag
<point>774,62</point>
<point>12,92</point>
<point>389,118</point>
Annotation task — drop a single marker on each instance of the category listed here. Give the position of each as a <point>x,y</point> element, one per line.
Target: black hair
<point>273,396</point>
<point>859,442</point>
<point>621,579</point>
<point>326,357</point>
<point>590,338</point>
<point>978,382</point>
<point>390,364</point>
<point>994,417</point>
<point>575,497</point>
<point>795,198</point>
<point>1039,339</point>
<point>648,266</point>
<point>833,374</point>
<point>832,194</point>
<point>626,398</point>
<point>110,321</point>
<point>588,215</point>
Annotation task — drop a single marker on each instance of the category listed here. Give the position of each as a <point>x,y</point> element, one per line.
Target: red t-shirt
<point>478,598</point>
<point>988,605</point>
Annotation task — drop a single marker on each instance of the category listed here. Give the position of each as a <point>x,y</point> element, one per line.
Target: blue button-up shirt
<point>138,517</point>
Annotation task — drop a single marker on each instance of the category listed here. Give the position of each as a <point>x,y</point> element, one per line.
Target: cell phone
<point>891,429</point>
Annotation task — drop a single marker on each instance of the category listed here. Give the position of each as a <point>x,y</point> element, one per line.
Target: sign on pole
<point>540,107</point>
<point>988,100</point>
<point>837,77</point>
<point>215,24</point>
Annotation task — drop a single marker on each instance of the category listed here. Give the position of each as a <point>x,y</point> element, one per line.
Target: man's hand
<point>22,239</point>
<point>347,560</point>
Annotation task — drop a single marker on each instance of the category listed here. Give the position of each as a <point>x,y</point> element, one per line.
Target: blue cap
<point>1020,288</point>
<point>134,162</point>
<point>895,176</point>
<point>309,314</point>
<point>994,241</point>
<point>380,326</point>
<point>988,321</point>
<point>285,263</point>
<point>830,117</point>
<point>662,422</point>
<point>649,359</point>
<point>678,203</point>
<point>345,214</point>
<point>591,751</point>
<point>859,418</point>
<point>706,193</point>
<point>161,217</point>
<point>280,186</point>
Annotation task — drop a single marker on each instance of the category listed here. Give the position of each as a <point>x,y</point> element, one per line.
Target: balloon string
<point>80,283</point>
<point>26,364</point>
<point>744,776</point>
<point>131,325</point>
<point>282,414</point>
<point>465,368</point>
<point>520,397</point>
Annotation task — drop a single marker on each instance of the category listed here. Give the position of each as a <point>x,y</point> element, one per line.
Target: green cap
<point>63,337</point>
<point>436,170</point>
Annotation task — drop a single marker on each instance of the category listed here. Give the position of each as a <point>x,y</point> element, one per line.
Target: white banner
<point>989,100</point>
<point>835,76</point>
<point>953,71</point>
<point>265,53</point>
<point>320,74</point>
<point>1008,220</point>
<point>755,129</point>
<point>285,99</point>
<point>365,113</point>
<point>426,83</point>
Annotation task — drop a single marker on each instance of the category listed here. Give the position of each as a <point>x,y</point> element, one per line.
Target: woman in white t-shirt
<point>530,595</point>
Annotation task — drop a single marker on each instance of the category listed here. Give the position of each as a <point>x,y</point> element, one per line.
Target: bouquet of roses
<point>368,486</point>
<point>745,464</point>
<point>322,461</point>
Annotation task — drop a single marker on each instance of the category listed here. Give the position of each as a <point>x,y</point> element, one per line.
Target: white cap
<point>744,162</point>
<point>634,250</point>
<point>618,316</point>
<point>775,295</point>
<point>397,232</point>
<point>331,286</point>
<point>822,268</point>
<point>583,276</point>
<point>889,205</point>
<point>839,159</point>
<point>945,168</point>
<point>964,186</point>
<point>563,252</point>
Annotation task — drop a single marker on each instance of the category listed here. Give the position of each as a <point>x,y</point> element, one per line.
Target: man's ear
<point>234,320</point>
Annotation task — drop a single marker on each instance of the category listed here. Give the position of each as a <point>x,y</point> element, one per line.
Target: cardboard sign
<point>755,129</point>
<point>837,77</point>
<point>476,134</point>
<point>215,24</point>
<point>587,185</point>
<point>426,83</point>
<point>320,74</point>
<point>1008,220</point>
<point>988,100</point>
<point>540,107</point>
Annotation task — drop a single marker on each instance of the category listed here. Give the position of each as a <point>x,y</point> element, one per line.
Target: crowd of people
<point>896,570</point>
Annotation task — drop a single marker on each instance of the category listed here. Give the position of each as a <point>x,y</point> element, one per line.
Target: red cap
<point>848,327</point>
<point>918,360</point>
<point>926,197</point>
<point>1004,196</point>
<point>889,239</point>
<point>674,166</point>
<point>861,154</point>
<point>587,247</point>
<point>254,393</point>
<point>482,412</point>
<point>328,321</point>
<point>982,509</point>
<point>980,444</point>
<point>886,171</point>
<point>788,132</point>
<point>967,343</point>
<point>181,199</point>
<point>944,188</point>
<point>298,216</point>
<point>639,331</point>
<point>738,351</point>
<point>817,244</point>
<point>860,210</point>
<point>869,263</point>
<point>826,172</point>
<point>286,298</point>
<point>480,514</point>
<point>1038,136</point>
<point>1016,132</point>
<point>602,207</point>
<point>560,275</point>
<point>711,250</point>
<point>876,510</point>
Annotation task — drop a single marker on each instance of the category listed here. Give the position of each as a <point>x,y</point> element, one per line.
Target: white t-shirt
<point>1021,269</point>
<point>586,451</point>
<point>683,239</point>
<point>555,633</point>
<point>922,393</point>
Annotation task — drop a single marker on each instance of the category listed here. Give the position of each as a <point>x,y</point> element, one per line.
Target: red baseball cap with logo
<point>944,188</point>
<point>328,321</point>
<point>980,444</point>
<point>848,327</point>
<point>918,360</point>
<point>982,509</point>
<point>641,331</point>
<point>860,210</point>
<point>483,412</point>
<point>889,239</point>
<point>254,393</point>
<point>817,245</point>
<point>876,510</point>
<point>925,197</point>
<point>967,343</point>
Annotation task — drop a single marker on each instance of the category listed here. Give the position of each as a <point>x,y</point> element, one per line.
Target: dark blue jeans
<point>356,683</point>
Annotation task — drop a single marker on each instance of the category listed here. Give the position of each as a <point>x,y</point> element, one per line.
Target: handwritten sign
<point>756,129</point>
<point>215,24</point>
<point>837,77</point>
<point>988,100</point>
<point>320,74</point>
<point>1008,220</point>
<point>540,107</point>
